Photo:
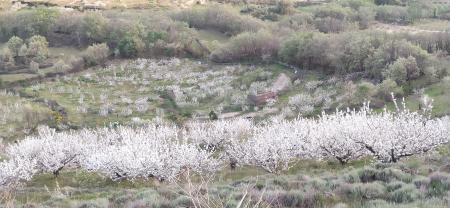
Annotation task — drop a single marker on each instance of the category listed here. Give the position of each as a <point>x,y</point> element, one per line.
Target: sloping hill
<point>106,4</point>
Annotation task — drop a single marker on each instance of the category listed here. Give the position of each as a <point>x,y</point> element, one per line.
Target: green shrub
<point>355,4</point>
<point>94,27</point>
<point>270,13</point>
<point>7,57</point>
<point>404,194</point>
<point>439,184</point>
<point>307,50</point>
<point>377,203</point>
<point>388,2</point>
<point>394,185</point>
<point>367,175</point>
<point>14,45</point>
<point>98,203</point>
<point>96,54</point>
<point>254,46</point>
<point>148,194</point>
<point>220,18</point>
<point>183,201</point>
<point>27,23</point>
<point>365,16</point>
<point>298,22</point>
<point>38,48</point>
<point>76,63</point>
<point>364,191</point>
<point>354,50</point>
<point>284,7</point>
<point>420,9</point>
<point>442,12</point>
<point>333,18</point>
<point>391,174</point>
<point>393,14</point>
<point>281,182</point>
<point>352,176</point>
<point>300,199</point>
<point>387,87</point>
<point>128,47</point>
<point>364,91</point>
<point>402,70</point>
<point>153,36</point>
<point>383,57</point>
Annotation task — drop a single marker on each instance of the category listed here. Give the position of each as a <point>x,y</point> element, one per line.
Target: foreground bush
<point>304,188</point>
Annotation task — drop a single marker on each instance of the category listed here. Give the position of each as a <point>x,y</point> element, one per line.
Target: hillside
<point>257,103</point>
<point>107,4</point>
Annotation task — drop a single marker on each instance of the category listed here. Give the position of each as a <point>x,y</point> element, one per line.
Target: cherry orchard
<point>163,150</point>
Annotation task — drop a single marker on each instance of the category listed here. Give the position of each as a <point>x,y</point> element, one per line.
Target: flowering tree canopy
<point>163,150</point>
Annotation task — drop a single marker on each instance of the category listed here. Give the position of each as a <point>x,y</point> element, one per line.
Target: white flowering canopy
<point>163,150</point>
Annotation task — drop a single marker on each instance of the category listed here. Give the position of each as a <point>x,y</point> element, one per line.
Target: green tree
<point>418,9</point>
<point>94,27</point>
<point>14,45</point>
<point>307,50</point>
<point>43,19</point>
<point>38,48</point>
<point>364,91</point>
<point>96,54</point>
<point>390,51</point>
<point>7,57</point>
<point>153,36</point>
<point>128,47</point>
<point>365,16</point>
<point>387,87</point>
<point>355,49</point>
<point>398,71</point>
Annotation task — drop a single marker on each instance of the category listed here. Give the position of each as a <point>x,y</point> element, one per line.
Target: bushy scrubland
<point>152,35</point>
<point>174,34</point>
<point>221,18</point>
<point>316,184</point>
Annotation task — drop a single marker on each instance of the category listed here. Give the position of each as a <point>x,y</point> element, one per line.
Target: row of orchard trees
<point>163,150</point>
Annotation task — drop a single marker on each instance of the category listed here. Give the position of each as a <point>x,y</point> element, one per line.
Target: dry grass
<point>4,4</point>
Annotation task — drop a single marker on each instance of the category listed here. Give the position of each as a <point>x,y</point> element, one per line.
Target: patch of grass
<point>432,24</point>
<point>212,35</point>
<point>16,77</point>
